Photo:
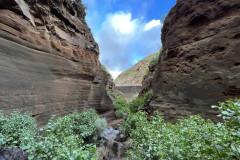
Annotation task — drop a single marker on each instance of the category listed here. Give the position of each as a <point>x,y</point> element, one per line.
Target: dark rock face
<point>49,59</point>
<point>12,154</point>
<point>200,62</point>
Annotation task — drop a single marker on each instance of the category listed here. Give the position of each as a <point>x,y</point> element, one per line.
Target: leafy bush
<point>154,60</point>
<point>15,127</point>
<point>120,112</point>
<point>105,69</point>
<point>135,96</point>
<point>230,112</point>
<point>69,137</point>
<point>129,124</point>
<point>192,138</point>
<point>146,70</point>
<point>121,107</point>
<point>138,104</point>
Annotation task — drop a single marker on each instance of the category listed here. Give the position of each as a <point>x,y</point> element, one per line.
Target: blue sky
<point>126,30</point>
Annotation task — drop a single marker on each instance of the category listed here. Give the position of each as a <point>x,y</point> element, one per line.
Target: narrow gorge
<point>50,67</point>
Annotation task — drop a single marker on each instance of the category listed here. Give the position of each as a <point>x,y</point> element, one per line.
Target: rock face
<point>49,59</point>
<point>200,62</point>
<point>12,154</point>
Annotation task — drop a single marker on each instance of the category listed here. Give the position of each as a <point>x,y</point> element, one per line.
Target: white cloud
<point>123,41</point>
<point>122,22</point>
<point>115,74</point>
<point>151,24</point>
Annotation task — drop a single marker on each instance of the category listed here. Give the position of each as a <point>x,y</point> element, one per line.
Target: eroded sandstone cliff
<point>49,59</point>
<point>200,62</point>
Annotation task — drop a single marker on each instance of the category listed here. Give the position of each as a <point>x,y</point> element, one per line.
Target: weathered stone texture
<point>12,154</point>
<point>49,59</point>
<point>200,62</point>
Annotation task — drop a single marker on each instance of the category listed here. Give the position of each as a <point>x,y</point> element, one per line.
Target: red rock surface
<point>49,59</point>
<point>200,62</point>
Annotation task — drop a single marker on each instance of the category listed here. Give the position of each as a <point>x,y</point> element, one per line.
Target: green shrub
<point>15,127</point>
<point>154,60</point>
<point>192,138</point>
<point>105,69</point>
<point>138,104</point>
<point>69,137</point>
<point>100,125</point>
<point>230,112</point>
<point>129,124</point>
<point>121,111</point>
<point>146,70</point>
<point>121,107</point>
<point>135,96</point>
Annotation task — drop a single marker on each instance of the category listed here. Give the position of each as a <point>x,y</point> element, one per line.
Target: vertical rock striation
<point>49,60</point>
<point>200,62</point>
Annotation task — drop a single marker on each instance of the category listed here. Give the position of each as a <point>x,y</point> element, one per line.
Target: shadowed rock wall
<point>200,62</point>
<point>49,60</point>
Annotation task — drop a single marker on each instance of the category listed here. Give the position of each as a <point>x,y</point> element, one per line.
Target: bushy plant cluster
<point>105,69</point>
<point>139,103</point>
<point>122,106</point>
<point>192,138</point>
<point>69,137</point>
<point>230,112</point>
<point>154,60</point>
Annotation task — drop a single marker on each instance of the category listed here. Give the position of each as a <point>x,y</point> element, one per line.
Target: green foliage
<point>139,103</point>
<point>230,112</point>
<point>105,69</point>
<point>134,106</point>
<point>146,70</point>
<point>154,60</point>
<point>69,137</point>
<point>15,127</point>
<point>129,124</point>
<point>115,95</point>
<point>120,112</point>
<point>120,104</point>
<point>135,96</point>
<point>121,107</point>
<point>192,138</point>
<point>133,74</point>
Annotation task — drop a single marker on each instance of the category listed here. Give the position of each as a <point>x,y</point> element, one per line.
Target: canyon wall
<point>49,60</point>
<point>200,62</point>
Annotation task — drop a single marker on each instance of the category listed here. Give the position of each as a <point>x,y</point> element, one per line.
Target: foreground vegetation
<point>75,136</point>
<point>71,137</point>
<point>191,138</point>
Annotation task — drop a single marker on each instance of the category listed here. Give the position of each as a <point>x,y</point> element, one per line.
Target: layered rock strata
<point>200,62</point>
<point>49,59</point>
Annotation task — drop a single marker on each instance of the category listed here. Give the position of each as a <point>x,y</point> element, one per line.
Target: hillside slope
<point>134,75</point>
